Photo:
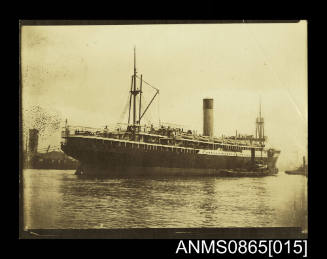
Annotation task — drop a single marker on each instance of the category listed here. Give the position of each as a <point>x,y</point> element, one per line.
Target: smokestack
<point>33,140</point>
<point>208,117</point>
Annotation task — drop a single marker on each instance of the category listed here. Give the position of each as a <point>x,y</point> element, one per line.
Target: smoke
<point>46,121</point>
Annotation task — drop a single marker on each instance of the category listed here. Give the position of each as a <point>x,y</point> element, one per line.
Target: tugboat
<point>302,170</point>
<point>257,169</point>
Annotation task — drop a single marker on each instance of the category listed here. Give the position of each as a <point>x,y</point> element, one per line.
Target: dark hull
<point>101,158</point>
<point>296,172</point>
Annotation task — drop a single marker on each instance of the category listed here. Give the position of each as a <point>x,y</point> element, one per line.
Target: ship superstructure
<point>137,149</point>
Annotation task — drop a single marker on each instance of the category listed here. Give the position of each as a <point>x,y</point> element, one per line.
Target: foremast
<point>260,128</point>
<point>135,126</point>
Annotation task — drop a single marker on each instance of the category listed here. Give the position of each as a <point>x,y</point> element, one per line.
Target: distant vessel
<point>147,150</point>
<point>303,169</point>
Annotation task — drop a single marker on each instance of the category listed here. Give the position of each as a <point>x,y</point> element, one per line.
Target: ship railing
<point>118,129</point>
<point>89,131</point>
<point>143,128</point>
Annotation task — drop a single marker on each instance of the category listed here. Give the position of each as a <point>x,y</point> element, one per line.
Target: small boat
<point>302,170</point>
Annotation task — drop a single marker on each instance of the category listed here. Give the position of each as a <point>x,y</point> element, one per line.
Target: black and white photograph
<point>163,126</point>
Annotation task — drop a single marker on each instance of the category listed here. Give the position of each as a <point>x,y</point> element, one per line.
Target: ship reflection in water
<point>56,199</point>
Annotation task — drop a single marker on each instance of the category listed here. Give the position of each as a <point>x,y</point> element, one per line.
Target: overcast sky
<point>84,73</point>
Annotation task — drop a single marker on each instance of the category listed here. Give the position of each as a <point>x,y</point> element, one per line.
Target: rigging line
<point>148,83</point>
<point>143,102</point>
<point>122,115</point>
<point>124,111</point>
<point>147,115</point>
<point>149,104</point>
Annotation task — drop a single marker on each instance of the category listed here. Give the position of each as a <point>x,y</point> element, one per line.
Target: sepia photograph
<point>161,127</point>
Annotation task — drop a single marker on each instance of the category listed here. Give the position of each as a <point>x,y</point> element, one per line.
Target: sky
<point>83,73</point>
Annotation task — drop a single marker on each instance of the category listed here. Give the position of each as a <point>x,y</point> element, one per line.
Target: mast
<point>134,91</point>
<point>134,97</point>
<point>140,101</point>
<point>130,100</point>
<point>260,130</point>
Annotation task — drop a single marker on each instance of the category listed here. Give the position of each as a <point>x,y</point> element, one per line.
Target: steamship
<point>141,150</point>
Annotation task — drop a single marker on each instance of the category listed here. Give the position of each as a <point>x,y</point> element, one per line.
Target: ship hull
<point>97,157</point>
<point>296,172</point>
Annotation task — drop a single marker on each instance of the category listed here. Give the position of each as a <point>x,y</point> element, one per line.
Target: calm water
<point>59,199</point>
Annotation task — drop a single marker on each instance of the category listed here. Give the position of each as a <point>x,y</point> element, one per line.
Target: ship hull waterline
<point>141,171</point>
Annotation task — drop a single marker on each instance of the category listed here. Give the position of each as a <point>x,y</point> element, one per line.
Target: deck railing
<point>121,132</point>
<point>88,131</point>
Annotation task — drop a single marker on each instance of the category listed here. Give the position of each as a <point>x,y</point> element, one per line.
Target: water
<point>57,199</point>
